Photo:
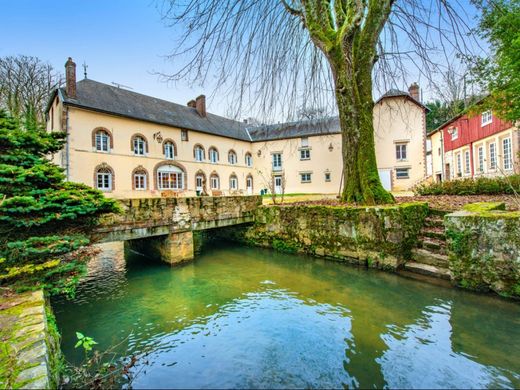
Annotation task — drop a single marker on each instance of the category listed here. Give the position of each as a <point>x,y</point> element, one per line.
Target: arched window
<point>140,179</point>
<point>249,160</point>
<point>233,182</point>
<point>170,177</point>
<point>232,157</point>
<point>169,149</point>
<point>198,153</point>
<point>104,178</point>
<point>200,182</point>
<point>249,184</point>
<point>139,145</point>
<point>102,140</point>
<point>213,154</point>
<point>214,181</point>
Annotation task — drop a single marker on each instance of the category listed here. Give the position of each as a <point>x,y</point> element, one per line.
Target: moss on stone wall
<point>378,236</point>
<point>484,249</point>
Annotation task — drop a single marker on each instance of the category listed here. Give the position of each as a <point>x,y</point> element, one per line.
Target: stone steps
<point>427,269</point>
<point>424,256</point>
<point>434,232</point>
<point>434,245</point>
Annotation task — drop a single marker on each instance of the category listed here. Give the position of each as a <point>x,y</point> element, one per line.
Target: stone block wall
<point>30,355</point>
<point>484,248</point>
<point>379,237</point>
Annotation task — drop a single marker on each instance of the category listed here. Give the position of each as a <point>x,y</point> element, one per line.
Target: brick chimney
<point>191,103</point>
<point>70,78</point>
<point>415,91</point>
<point>200,105</point>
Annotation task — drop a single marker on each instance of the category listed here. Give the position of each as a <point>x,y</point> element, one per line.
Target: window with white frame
<point>327,176</point>
<point>139,146</point>
<point>198,153</point>
<point>492,156</point>
<point>459,164</point>
<point>277,161</point>
<point>401,152</point>
<point>104,179</point>
<point>214,182</point>
<point>102,141</point>
<point>233,182</point>
<point>232,157</point>
<point>305,177</point>
<point>305,154</point>
<point>506,149</point>
<point>213,155</point>
<point>480,153</point>
<point>140,180</point>
<point>467,162</point>
<point>454,133</point>
<point>249,160</point>
<point>402,173</point>
<point>487,118</point>
<point>169,150</point>
<point>170,177</point>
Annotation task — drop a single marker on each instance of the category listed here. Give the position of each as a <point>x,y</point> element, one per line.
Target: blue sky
<point>122,41</point>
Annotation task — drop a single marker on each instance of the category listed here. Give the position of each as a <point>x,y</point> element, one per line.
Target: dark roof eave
<point>406,96</point>
<point>69,103</point>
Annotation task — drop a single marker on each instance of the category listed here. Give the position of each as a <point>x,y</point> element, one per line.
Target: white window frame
<point>139,146</point>
<point>141,179</point>
<point>327,176</point>
<point>306,177</point>
<point>467,162</point>
<point>480,156</point>
<point>102,141</point>
<point>487,118</point>
<point>455,133</point>
<point>104,176</point>
<point>277,161</point>
<point>233,183</point>
<point>493,155</point>
<point>172,175</point>
<point>399,149</point>
<point>232,157</point>
<point>400,176</point>
<point>459,164</point>
<point>169,151</point>
<point>213,155</point>
<point>199,153</point>
<point>305,154</point>
<point>214,182</point>
<point>249,160</point>
<point>507,153</point>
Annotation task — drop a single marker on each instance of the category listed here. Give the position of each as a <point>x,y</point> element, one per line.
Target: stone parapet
<point>484,248</point>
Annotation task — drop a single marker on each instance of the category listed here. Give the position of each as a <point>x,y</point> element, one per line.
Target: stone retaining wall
<point>379,237</point>
<point>484,248</point>
<point>29,343</point>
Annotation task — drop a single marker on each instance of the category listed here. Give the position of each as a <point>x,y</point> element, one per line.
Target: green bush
<point>478,186</point>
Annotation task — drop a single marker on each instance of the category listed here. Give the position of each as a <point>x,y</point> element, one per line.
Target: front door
<point>249,185</point>
<point>278,184</point>
<point>199,184</point>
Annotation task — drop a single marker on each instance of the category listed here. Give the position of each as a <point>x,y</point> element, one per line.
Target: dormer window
<point>487,118</point>
<point>454,133</point>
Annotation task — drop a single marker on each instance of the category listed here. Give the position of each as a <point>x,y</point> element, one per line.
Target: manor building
<point>130,145</point>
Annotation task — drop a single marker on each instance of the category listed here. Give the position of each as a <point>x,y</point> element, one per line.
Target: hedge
<point>479,186</point>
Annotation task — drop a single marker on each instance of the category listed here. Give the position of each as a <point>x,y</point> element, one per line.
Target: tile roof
<point>295,129</point>
<point>101,97</point>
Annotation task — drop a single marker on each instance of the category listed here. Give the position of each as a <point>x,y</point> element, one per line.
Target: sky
<point>121,41</point>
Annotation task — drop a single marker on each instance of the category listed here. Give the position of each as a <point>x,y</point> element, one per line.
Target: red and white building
<point>474,146</point>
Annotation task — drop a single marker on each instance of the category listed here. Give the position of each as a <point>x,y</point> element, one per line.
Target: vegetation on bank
<point>477,186</point>
<point>44,221</point>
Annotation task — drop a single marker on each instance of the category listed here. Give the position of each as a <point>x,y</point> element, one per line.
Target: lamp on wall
<point>259,153</point>
<point>331,148</point>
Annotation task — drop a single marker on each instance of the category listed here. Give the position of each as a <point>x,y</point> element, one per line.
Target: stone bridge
<point>164,226</point>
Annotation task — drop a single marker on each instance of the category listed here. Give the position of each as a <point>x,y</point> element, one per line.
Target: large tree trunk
<point>353,83</point>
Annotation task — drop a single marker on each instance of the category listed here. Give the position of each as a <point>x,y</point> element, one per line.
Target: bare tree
<point>273,54</point>
<point>25,86</point>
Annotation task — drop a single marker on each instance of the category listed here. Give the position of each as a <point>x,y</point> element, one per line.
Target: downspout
<point>443,168</point>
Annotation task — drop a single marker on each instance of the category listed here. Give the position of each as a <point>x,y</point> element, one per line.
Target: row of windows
<point>507,158</point>
<point>168,177</point>
<point>139,145</point>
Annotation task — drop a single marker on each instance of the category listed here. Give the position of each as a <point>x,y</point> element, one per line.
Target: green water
<point>245,317</point>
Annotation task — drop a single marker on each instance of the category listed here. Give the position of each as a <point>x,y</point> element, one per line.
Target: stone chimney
<point>70,78</point>
<point>415,91</point>
<point>200,105</point>
<point>191,103</point>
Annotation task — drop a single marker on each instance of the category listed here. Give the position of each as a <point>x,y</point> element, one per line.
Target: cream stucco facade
<point>126,156</point>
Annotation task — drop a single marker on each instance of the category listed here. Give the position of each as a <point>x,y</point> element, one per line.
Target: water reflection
<point>243,317</point>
